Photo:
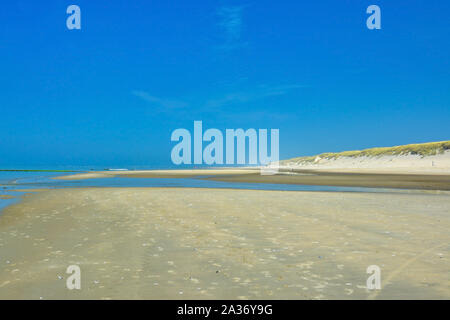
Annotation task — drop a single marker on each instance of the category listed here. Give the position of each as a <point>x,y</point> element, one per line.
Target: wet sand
<point>346,179</point>
<point>180,243</point>
<point>292,176</point>
<point>187,173</point>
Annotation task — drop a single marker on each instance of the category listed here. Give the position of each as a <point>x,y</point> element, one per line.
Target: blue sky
<point>113,92</point>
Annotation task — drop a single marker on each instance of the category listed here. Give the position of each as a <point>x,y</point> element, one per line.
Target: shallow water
<point>19,180</point>
<point>24,180</point>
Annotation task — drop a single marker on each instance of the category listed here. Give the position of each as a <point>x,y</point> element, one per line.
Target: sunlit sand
<point>181,243</point>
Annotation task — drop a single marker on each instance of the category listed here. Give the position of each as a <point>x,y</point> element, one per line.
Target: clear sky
<point>113,92</point>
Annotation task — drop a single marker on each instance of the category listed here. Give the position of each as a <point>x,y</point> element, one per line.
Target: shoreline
<point>339,178</point>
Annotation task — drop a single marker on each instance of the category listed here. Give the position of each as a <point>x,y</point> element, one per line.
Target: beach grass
<point>421,149</point>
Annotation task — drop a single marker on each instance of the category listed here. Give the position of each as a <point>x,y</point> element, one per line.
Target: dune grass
<point>422,149</point>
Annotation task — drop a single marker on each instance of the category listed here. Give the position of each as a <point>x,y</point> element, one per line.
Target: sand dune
<point>427,158</point>
<point>438,164</point>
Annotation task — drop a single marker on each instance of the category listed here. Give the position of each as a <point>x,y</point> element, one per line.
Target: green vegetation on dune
<point>422,149</point>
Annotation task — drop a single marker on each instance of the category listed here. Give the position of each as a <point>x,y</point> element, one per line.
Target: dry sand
<point>179,243</point>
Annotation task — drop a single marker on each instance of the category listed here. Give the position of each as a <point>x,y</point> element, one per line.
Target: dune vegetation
<point>421,149</point>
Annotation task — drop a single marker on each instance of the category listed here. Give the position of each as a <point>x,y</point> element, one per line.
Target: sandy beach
<point>237,152</point>
<point>182,243</point>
